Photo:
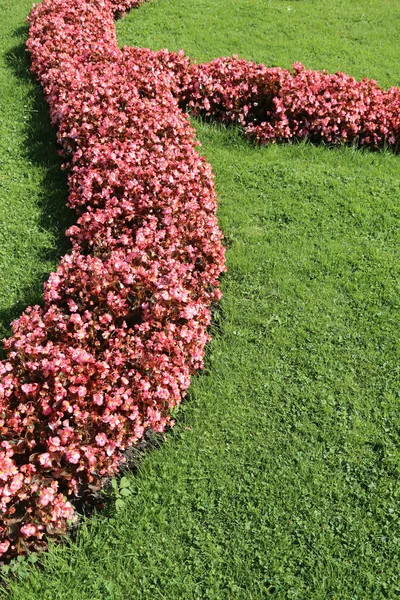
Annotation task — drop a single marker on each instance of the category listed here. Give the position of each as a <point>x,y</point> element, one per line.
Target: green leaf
<point>124,482</point>
<point>33,558</point>
<point>125,492</point>
<point>119,504</point>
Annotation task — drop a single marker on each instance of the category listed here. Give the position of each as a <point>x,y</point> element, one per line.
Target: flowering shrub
<point>125,316</point>
<point>274,104</point>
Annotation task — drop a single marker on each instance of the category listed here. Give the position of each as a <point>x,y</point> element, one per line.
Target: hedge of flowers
<point>273,104</point>
<point>125,316</point>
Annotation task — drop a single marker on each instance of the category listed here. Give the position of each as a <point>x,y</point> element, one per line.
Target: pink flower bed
<point>125,315</point>
<point>274,104</point>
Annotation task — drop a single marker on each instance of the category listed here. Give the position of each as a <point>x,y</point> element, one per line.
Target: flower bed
<point>274,104</point>
<point>125,315</point>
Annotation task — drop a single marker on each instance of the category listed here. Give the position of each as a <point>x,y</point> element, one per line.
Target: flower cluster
<point>274,104</point>
<point>126,313</point>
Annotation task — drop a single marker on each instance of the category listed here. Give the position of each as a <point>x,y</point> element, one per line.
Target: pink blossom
<point>98,399</point>
<point>4,546</point>
<point>28,530</point>
<point>73,456</point>
<point>28,388</point>
<point>46,496</point>
<point>101,439</point>
<point>45,459</point>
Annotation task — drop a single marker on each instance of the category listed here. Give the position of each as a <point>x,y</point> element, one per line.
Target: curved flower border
<point>125,315</point>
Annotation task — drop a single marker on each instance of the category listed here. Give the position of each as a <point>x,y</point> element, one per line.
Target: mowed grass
<point>33,190</point>
<point>281,478</point>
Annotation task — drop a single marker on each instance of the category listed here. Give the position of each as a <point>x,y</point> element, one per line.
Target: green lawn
<point>281,478</point>
<point>33,190</point>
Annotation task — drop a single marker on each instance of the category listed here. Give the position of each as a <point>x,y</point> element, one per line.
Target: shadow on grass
<point>40,149</point>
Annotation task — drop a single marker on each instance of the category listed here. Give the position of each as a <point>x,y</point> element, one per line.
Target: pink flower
<point>54,444</point>
<point>101,439</point>
<point>28,388</point>
<point>45,460</point>
<point>28,530</point>
<point>46,496</point>
<point>4,546</point>
<point>73,456</point>
<point>98,399</point>
<point>82,391</point>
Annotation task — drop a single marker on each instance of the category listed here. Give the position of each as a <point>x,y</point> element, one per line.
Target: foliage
<point>122,490</point>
